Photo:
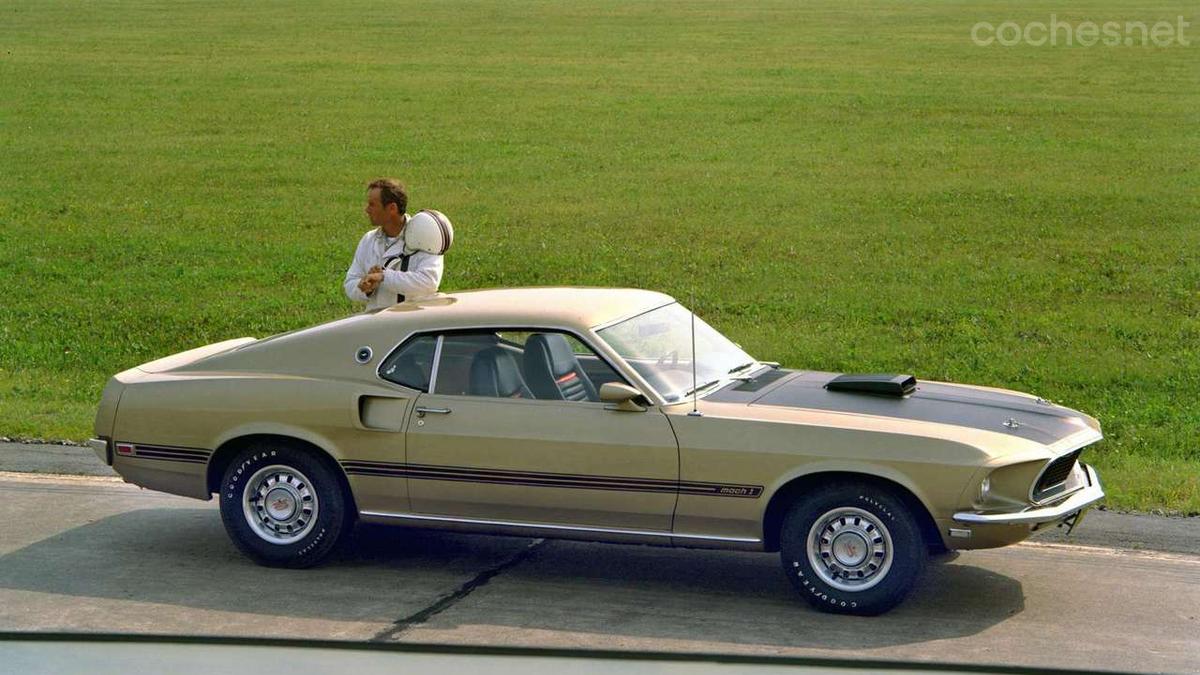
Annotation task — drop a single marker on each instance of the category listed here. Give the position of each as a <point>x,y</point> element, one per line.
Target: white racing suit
<point>407,275</point>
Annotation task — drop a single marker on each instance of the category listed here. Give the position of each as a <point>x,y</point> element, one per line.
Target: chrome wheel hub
<point>850,549</point>
<point>280,504</point>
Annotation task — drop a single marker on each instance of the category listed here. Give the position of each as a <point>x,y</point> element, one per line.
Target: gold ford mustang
<point>580,413</point>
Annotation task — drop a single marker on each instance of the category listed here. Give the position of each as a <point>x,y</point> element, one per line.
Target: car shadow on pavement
<point>161,563</point>
<point>710,597</point>
<point>183,557</point>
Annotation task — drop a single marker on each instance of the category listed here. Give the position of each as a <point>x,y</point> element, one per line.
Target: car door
<point>375,443</point>
<point>484,446</point>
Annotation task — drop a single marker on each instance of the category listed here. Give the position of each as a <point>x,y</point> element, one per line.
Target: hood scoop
<point>879,384</point>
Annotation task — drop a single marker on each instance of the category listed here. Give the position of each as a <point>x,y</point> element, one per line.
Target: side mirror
<point>622,395</point>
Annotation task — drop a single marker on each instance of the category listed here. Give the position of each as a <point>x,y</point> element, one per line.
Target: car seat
<point>553,372</point>
<point>494,372</point>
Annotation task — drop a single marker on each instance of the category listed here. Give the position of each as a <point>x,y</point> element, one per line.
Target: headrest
<point>494,372</point>
<point>552,352</point>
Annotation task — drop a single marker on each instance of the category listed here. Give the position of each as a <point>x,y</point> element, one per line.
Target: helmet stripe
<point>445,229</point>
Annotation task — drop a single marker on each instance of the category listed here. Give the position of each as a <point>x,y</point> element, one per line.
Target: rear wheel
<point>283,506</point>
<point>852,548</point>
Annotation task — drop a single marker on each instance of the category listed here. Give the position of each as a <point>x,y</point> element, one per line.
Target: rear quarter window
<point>412,364</point>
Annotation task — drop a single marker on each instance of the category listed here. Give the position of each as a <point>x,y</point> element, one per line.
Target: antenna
<point>695,412</point>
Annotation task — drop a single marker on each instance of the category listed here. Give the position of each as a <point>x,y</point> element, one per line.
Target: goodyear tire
<point>852,548</point>
<point>283,506</point>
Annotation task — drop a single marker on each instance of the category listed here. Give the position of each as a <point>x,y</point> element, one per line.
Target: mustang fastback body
<point>601,414</point>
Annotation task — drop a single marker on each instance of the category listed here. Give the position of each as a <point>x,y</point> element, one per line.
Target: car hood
<point>984,408</point>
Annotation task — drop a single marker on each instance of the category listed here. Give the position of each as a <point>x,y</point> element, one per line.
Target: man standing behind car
<point>384,272</point>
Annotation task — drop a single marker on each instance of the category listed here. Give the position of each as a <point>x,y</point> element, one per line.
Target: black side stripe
<point>539,479</point>
<point>168,453</point>
<point>499,473</point>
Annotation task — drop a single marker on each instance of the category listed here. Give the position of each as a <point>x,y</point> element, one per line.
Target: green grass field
<point>840,185</point>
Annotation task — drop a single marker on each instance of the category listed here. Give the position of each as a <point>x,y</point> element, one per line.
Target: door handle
<point>422,411</point>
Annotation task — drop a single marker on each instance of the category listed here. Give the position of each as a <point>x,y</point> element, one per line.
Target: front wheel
<point>282,506</point>
<point>852,548</point>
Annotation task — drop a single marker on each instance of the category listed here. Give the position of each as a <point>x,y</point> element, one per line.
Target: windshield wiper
<point>741,367</point>
<point>702,387</point>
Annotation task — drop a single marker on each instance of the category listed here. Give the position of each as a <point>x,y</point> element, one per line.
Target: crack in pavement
<point>450,599</point>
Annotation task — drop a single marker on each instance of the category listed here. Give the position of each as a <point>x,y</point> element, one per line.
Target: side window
<point>595,368</point>
<point>461,352</point>
<point>411,365</point>
<point>545,365</point>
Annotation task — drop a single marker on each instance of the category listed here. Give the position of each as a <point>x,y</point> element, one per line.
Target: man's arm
<point>354,275</point>
<point>423,277</point>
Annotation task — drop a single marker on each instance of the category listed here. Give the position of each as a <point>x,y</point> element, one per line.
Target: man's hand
<point>369,283</point>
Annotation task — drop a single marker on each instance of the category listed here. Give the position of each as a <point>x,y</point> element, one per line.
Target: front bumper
<point>100,447</point>
<point>1041,515</point>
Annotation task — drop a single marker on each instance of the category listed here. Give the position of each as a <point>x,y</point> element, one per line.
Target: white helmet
<point>429,231</point>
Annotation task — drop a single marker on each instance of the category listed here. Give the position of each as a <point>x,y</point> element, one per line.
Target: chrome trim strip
<point>437,359</point>
<point>546,526</point>
<point>1080,500</point>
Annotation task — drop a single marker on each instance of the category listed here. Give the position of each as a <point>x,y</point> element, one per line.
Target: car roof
<point>578,307</point>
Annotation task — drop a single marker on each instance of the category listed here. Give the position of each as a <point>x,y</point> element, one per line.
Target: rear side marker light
<point>124,448</point>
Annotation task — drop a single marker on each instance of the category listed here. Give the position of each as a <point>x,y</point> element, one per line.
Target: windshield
<point>658,345</point>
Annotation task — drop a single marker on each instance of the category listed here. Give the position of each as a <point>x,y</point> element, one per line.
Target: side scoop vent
<point>880,384</point>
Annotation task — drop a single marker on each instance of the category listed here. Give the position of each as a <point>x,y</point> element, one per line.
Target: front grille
<point>1055,475</point>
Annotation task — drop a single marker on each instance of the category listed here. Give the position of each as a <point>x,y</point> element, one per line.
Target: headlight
<point>1007,487</point>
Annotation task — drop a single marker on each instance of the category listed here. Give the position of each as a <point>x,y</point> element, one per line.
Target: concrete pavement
<point>95,554</point>
<point>52,458</point>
